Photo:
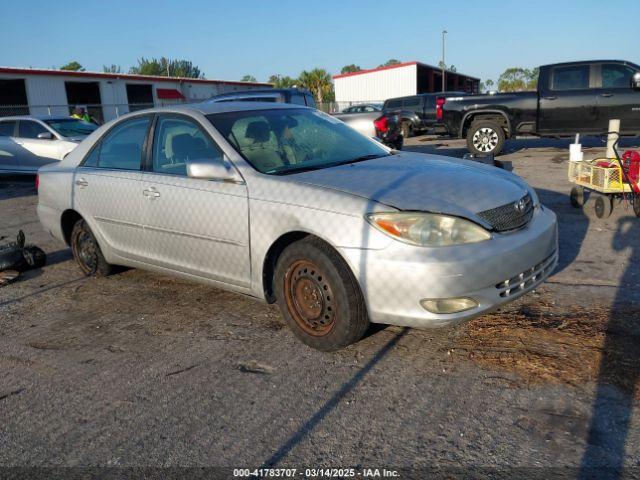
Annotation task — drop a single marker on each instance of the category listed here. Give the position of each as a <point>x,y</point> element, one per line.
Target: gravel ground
<point>140,369</point>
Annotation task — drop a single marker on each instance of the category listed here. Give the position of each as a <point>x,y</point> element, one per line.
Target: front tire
<point>319,297</point>
<point>86,251</point>
<point>485,137</point>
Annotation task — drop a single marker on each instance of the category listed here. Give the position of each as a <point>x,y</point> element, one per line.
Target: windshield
<point>292,140</point>
<point>70,127</point>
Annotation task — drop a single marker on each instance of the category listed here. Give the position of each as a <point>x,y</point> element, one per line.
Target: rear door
<point>195,226</point>
<point>107,188</point>
<point>414,105</point>
<point>36,152</point>
<point>568,104</point>
<point>616,98</point>
<point>8,147</point>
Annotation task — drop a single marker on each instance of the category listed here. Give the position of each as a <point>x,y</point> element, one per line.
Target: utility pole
<point>443,64</point>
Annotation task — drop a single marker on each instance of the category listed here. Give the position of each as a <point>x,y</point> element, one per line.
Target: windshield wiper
<point>362,158</point>
<point>328,165</point>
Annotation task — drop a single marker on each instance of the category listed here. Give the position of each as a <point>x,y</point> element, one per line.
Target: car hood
<point>419,182</point>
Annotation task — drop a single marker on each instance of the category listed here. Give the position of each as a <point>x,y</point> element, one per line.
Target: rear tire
<point>407,129</point>
<point>319,297</point>
<point>485,137</point>
<point>86,251</point>
<point>577,196</point>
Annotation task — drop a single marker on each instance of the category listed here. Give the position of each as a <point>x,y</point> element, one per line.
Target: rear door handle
<point>81,182</point>
<point>151,193</point>
<point>606,95</point>
<point>553,97</point>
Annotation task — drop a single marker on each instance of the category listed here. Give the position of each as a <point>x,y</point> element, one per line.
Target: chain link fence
<point>99,112</point>
<point>104,112</point>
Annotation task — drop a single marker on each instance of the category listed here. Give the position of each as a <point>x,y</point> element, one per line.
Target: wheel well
<point>270,260</point>
<point>494,117</point>
<point>68,220</point>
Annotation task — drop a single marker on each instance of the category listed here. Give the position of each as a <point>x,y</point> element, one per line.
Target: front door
<point>568,104</point>
<point>195,226</point>
<point>107,188</point>
<point>616,98</point>
<point>35,152</point>
<point>8,146</point>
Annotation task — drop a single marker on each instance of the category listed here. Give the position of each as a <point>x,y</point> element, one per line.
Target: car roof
<point>36,117</point>
<point>207,108</point>
<point>582,62</point>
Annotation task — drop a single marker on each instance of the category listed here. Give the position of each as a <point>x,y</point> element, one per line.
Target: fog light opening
<point>448,305</point>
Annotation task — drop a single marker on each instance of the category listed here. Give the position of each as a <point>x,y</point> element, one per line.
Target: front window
<point>29,129</point>
<point>615,75</point>
<point>293,140</point>
<point>71,127</point>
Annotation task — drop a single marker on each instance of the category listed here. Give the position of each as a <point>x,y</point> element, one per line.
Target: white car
<point>27,142</point>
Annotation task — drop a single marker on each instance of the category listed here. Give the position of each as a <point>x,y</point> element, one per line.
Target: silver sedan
<point>290,205</point>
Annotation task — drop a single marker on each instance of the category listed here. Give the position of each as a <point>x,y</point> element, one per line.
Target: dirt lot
<point>140,369</point>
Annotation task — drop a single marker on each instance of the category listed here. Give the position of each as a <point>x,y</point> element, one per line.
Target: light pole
<point>443,65</point>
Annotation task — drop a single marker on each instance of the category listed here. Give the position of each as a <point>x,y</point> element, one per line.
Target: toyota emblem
<point>520,205</point>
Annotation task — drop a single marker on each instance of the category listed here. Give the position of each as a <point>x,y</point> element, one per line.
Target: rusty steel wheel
<point>310,298</point>
<point>86,251</point>
<point>318,295</point>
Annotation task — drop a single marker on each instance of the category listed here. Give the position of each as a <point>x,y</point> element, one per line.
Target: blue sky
<point>228,39</point>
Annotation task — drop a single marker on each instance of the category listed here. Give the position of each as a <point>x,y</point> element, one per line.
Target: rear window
<point>570,78</point>
<point>412,102</point>
<point>7,129</point>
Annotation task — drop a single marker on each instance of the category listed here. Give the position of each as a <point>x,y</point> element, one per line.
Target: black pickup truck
<point>576,97</point>
<point>418,113</point>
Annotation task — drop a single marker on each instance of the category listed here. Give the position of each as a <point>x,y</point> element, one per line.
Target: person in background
<point>81,114</point>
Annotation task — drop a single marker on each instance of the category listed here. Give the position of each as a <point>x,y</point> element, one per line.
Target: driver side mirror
<point>635,81</point>
<point>45,136</point>
<point>206,169</point>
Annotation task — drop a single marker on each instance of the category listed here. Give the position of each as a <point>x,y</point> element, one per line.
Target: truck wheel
<point>407,129</point>
<point>636,205</point>
<point>87,252</point>
<point>603,206</point>
<point>319,297</point>
<point>577,196</point>
<point>485,137</point>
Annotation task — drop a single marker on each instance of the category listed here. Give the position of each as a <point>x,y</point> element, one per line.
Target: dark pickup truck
<point>418,113</point>
<point>576,97</point>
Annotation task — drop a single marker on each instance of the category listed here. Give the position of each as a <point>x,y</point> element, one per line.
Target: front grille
<point>509,216</point>
<point>527,278</point>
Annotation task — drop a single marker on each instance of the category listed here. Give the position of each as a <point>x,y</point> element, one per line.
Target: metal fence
<point>102,112</point>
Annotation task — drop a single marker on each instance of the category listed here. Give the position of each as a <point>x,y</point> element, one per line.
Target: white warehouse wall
<point>377,85</point>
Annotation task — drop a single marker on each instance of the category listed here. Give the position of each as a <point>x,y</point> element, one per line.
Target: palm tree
<point>319,83</point>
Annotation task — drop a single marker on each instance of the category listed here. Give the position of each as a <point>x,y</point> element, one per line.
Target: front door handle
<point>606,95</point>
<point>81,182</point>
<point>151,193</point>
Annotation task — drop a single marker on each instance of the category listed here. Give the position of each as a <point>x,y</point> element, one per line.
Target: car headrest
<point>258,131</point>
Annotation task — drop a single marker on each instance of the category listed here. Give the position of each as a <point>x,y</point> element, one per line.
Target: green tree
<point>280,81</point>
<point>319,83</point>
<point>390,62</point>
<point>167,68</point>
<point>451,68</point>
<point>486,86</point>
<point>350,68</point>
<point>73,66</point>
<point>112,68</point>
<point>516,79</point>
<point>248,78</point>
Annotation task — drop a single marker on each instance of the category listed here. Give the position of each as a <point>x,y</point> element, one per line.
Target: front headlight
<point>428,229</point>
